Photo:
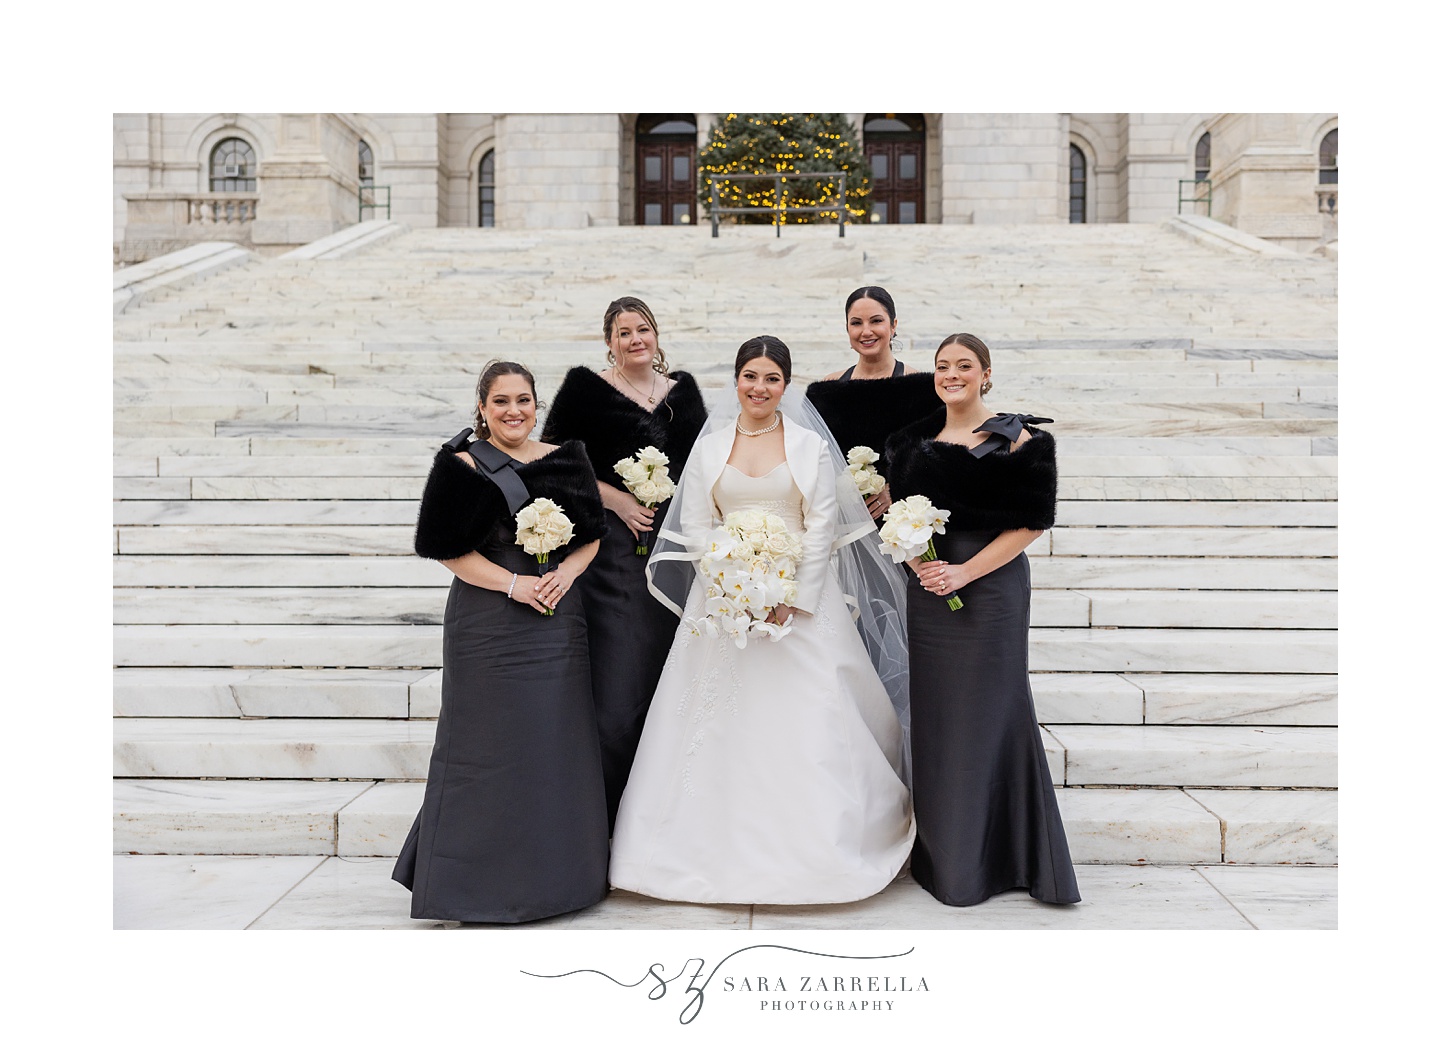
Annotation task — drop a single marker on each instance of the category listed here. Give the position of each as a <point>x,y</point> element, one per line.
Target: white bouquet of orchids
<point>541,527</point>
<point>859,465</point>
<point>749,567</point>
<point>907,530</point>
<point>647,479</point>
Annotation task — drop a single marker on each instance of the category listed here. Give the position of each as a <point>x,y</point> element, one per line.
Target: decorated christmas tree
<point>769,143</point>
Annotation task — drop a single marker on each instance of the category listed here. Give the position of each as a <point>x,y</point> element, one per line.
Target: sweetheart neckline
<point>756,477</point>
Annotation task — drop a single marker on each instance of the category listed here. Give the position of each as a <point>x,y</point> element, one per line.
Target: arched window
<point>233,167</point>
<point>365,165</point>
<point>1201,158</point>
<point>486,190</point>
<point>1329,155</point>
<point>1077,186</point>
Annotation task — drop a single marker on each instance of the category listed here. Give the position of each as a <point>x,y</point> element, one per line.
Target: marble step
<point>425,442</point>
<point>1078,755</point>
<point>419,646</point>
<point>278,692</point>
<point>1186,542</point>
<point>1051,608</point>
<point>1159,698</point>
<point>1143,513</point>
<point>1078,445</point>
<point>1072,404</point>
<point>405,570</point>
<point>280,512</point>
<point>1146,573</point>
<point>1066,698</point>
<point>1071,513</point>
<point>363,819</point>
<point>1059,542</point>
<point>266,539</point>
<point>1169,487</point>
<point>279,436</point>
<point>1196,755</point>
<point>1258,487</point>
<point>1238,699</point>
<point>417,465</point>
<point>1179,651</point>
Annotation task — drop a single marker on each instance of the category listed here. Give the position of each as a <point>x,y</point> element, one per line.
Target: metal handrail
<point>776,208</point>
<point>1206,198</point>
<point>386,206</point>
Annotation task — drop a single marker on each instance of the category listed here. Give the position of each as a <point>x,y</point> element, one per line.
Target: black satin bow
<point>1004,430</point>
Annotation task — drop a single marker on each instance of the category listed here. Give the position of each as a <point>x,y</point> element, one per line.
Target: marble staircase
<point>277,646</point>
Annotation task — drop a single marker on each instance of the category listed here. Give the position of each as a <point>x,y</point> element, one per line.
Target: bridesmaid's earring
<point>610,358</point>
<point>987,386</point>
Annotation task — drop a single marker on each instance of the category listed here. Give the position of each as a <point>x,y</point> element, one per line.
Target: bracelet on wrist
<point>510,592</point>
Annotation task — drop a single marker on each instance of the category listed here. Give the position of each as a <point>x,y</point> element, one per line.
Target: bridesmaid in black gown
<point>987,819</point>
<point>876,395</point>
<point>513,824</point>
<point>634,402</point>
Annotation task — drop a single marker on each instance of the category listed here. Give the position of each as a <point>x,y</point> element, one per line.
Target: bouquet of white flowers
<point>907,530</point>
<point>541,527</point>
<point>749,567</point>
<point>647,478</point>
<point>859,466</point>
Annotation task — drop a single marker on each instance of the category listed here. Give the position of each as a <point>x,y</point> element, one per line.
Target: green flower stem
<point>543,559</point>
<point>929,553</point>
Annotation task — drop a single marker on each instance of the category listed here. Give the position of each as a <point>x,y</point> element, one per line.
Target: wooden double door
<point>665,170</point>
<point>896,149</point>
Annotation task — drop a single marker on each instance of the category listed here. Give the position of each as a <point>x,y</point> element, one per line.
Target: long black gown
<point>629,631</point>
<point>866,412</point>
<point>987,818</point>
<point>513,824</point>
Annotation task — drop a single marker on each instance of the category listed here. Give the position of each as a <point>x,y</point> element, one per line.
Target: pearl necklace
<point>765,430</point>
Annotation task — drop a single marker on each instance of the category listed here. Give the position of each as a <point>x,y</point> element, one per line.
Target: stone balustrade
<point>221,208</point>
<point>159,222</point>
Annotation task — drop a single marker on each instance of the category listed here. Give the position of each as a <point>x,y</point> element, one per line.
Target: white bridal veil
<point>874,586</point>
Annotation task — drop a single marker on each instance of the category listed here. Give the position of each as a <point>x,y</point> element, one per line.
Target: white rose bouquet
<point>749,567</point>
<point>541,527</point>
<point>647,478</point>
<point>907,530</point>
<point>859,465</point>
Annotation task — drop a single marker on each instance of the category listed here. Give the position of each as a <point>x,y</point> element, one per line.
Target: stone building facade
<point>273,181</point>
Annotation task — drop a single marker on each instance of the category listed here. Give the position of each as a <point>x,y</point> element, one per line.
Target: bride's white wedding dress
<point>768,774</point>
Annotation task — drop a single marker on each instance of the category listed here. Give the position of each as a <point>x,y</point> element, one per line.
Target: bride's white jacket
<point>810,465</point>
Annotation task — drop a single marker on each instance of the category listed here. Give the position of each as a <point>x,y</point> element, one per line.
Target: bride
<point>772,774</point>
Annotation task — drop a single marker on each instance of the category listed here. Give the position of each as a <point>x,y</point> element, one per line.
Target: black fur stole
<point>611,426</point>
<point>1002,490</point>
<point>462,509</point>
<point>866,412</point>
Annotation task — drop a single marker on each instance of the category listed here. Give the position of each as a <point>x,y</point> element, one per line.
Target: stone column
<point>1265,176</point>
<point>309,187</point>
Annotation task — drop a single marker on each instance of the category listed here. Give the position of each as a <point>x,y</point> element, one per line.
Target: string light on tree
<point>781,143</point>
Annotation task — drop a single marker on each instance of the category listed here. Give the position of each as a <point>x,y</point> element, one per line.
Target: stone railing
<point>221,208</point>
<point>161,221</point>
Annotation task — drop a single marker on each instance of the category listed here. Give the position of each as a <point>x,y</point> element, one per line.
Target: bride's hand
<point>877,504</point>
<point>781,614</point>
